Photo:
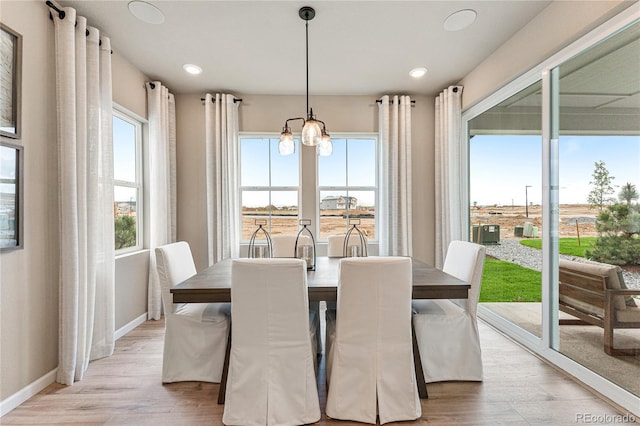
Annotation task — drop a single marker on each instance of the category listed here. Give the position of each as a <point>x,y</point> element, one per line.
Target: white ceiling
<point>356,47</point>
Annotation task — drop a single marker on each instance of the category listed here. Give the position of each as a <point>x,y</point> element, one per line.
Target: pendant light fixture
<point>314,132</point>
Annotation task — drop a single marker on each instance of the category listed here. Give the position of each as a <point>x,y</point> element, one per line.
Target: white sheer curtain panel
<point>85,193</point>
<point>451,172</point>
<point>162,183</point>
<point>395,176</point>
<point>223,182</point>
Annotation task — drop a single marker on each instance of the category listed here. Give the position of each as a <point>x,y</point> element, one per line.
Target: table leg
<point>417,363</point>
<point>225,371</point>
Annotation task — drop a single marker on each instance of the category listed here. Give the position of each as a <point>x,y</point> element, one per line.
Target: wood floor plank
<point>126,389</point>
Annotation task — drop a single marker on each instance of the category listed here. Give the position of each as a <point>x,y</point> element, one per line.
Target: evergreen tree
<point>125,232</point>
<point>628,193</point>
<point>618,241</point>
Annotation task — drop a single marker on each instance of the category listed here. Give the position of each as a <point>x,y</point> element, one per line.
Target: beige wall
<point>29,276</point>
<point>128,85</point>
<point>29,293</point>
<point>267,114</point>
<point>132,270</point>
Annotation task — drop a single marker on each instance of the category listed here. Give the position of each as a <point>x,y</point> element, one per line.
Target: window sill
<point>134,252</point>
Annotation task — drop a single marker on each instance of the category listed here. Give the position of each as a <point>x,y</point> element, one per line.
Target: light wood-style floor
<point>126,389</point>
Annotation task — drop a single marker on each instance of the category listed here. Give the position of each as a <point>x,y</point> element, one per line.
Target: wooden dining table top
<point>213,284</point>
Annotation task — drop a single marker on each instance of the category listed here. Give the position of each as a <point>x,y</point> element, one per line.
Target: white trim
<point>32,389</point>
<point>129,113</point>
<point>130,326</point>
<point>138,123</point>
<point>27,392</point>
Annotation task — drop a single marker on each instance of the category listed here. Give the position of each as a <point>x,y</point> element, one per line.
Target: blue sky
<point>360,158</point>
<point>124,157</point>
<point>501,166</point>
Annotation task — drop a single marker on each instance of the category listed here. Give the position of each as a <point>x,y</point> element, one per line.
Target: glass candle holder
<point>354,251</point>
<point>360,248</point>
<point>305,251</point>
<point>257,250</point>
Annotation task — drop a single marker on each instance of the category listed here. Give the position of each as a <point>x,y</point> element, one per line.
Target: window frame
<point>138,123</point>
<point>268,188</point>
<point>346,189</point>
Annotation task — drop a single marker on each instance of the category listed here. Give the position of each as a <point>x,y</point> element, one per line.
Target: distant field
<point>286,223</point>
<point>508,217</point>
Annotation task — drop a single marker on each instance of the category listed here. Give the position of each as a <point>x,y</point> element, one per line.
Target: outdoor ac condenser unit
<point>486,234</point>
<point>528,230</point>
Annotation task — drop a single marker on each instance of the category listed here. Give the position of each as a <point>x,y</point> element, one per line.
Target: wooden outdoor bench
<point>591,292</point>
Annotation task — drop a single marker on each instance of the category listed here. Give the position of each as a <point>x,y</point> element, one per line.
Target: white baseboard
<point>130,326</point>
<point>27,392</point>
<point>32,389</point>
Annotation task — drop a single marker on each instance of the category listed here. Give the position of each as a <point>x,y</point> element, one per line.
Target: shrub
<point>618,241</point>
<point>125,231</point>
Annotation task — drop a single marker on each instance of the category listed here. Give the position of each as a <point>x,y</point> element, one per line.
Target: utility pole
<point>526,200</point>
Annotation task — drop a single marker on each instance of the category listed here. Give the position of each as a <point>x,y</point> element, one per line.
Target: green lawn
<point>507,282</point>
<point>568,246</point>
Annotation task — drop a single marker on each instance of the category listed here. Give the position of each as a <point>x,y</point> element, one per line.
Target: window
<point>127,181</point>
<point>269,186</point>
<point>347,186</point>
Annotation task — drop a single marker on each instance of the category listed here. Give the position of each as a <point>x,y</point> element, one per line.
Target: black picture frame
<point>11,196</point>
<point>10,82</point>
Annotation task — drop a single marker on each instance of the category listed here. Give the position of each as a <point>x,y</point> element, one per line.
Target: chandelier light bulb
<point>311,132</point>
<point>286,145</point>
<point>325,148</point>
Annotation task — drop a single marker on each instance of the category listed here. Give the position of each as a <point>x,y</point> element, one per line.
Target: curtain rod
<point>213,100</point>
<point>61,13</point>
<point>379,101</point>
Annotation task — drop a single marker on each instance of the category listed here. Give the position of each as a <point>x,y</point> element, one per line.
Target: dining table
<point>213,285</point>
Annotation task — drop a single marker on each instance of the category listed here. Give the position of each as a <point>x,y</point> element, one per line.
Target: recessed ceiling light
<point>460,20</point>
<point>418,72</point>
<point>192,69</point>
<point>146,12</point>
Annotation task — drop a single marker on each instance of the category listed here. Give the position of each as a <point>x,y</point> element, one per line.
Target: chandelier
<point>314,132</point>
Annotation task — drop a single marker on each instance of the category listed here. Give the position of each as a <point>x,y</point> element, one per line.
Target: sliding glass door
<point>554,178</point>
<point>505,175</point>
<point>598,114</point>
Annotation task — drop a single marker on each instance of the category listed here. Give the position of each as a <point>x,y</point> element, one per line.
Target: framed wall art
<point>11,205</point>
<point>10,80</point>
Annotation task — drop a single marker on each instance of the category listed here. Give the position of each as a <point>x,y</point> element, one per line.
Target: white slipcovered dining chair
<point>447,330</point>
<point>370,367</point>
<point>335,244</point>
<point>271,379</point>
<point>195,337</point>
<point>284,245</point>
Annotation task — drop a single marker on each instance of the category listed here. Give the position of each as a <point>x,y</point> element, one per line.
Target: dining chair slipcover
<point>447,330</point>
<point>271,379</point>
<point>370,354</point>
<point>196,334</point>
<point>335,246</point>
<point>285,245</point>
